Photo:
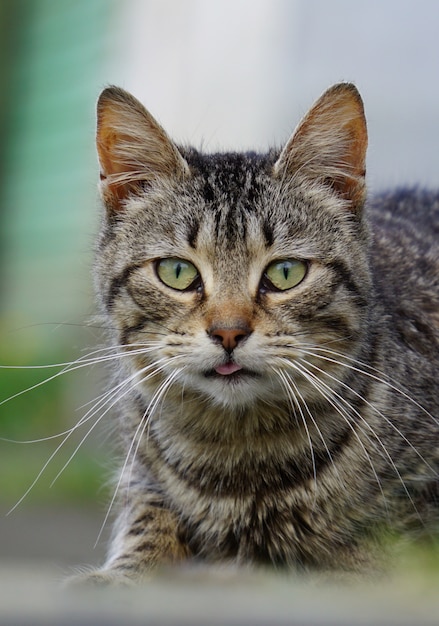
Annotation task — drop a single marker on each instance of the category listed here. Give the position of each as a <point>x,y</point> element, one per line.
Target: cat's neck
<point>198,423</point>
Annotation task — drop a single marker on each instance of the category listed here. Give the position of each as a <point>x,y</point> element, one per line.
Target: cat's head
<point>233,276</point>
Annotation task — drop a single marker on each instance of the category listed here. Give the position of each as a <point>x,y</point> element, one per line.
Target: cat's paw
<point>98,578</point>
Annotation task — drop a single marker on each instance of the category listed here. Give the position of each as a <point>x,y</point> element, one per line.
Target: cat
<point>276,340</point>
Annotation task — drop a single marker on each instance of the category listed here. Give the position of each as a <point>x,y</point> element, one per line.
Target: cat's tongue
<point>227,369</point>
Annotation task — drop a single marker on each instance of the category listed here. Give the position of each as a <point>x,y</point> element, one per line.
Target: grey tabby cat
<point>279,395</point>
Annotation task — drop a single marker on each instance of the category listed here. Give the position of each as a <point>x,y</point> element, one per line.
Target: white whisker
<point>135,446</point>
<point>67,368</point>
<point>331,392</point>
<point>157,397</point>
<point>294,402</point>
<point>54,453</point>
<point>378,376</point>
<point>316,426</point>
<point>380,413</point>
<point>107,397</point>
<point>111,399</point>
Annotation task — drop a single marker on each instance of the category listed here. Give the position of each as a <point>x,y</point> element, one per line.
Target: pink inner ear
<point>351,183</point>
<point>132,147</point>
<point>330,144</point>
<point>107,139</point>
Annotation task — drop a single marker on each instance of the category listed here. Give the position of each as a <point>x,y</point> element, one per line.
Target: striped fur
<point>329,431</point>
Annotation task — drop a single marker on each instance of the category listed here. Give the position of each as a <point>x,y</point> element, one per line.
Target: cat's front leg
<point>145,537</point>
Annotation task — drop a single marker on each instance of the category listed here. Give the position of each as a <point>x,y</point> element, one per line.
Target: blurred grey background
<point>221,74</point>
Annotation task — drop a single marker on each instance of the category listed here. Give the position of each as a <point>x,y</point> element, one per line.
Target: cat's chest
<point>263,522</point>
<point>239,517</point>
<point>236,470</point>
<point>247,505</point>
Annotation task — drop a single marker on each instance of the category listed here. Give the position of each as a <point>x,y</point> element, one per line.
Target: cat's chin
<point>237,389</point>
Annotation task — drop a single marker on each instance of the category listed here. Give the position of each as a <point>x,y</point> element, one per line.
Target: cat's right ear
<point>329,146</point>
<point>133,148</point>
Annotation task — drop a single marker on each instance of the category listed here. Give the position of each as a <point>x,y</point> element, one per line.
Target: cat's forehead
<point>231,207</point>
<point>232,174</point>
<point>225,201</point>
<point>235,202</point>
<point>233,193</point>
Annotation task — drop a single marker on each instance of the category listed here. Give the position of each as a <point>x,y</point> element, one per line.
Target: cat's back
<point>406,214</point>
<point>404,258</point>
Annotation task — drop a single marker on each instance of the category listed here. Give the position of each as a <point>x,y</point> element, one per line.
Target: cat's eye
<point>178,274</point>
<point>283,275</point>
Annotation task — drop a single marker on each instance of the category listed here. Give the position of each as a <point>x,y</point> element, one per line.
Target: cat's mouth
<point>230,371</point>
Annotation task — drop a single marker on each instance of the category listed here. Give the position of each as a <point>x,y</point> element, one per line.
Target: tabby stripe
<point>145,518</point>
<point>146,546</point>
<point>140,325</point>
<point>125,563</point>
<point>118,283</point>
<point>346,277</point>
<point>337,325</point>
<point>267,230</point>
<point>262,478</point>
<point>137,531</point>
<point>192,234</point>
<point>140,525</point>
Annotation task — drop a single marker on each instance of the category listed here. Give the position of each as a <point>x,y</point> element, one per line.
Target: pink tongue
<point>228,368</point>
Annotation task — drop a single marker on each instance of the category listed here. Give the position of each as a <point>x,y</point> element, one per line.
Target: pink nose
<point>229,337</point>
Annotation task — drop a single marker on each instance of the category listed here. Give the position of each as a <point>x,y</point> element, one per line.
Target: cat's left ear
<point>329,145</point>
<point>133,148</point>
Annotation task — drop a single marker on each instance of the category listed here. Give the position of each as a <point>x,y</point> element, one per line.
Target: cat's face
<point>227,274</point>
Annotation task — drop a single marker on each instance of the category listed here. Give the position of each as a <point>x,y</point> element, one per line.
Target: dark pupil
<point>178,270</point>
<point>286,271</point>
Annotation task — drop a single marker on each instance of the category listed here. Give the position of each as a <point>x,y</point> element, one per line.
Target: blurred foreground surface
<point>29,595</point>
<point>54,540</point>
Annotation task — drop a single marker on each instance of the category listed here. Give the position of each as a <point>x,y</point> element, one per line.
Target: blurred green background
<point>52,55</point>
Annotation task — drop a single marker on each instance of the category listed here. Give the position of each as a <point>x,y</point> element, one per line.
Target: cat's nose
<point>229,337</point>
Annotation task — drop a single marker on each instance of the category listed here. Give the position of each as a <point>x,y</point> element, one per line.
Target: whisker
<point>89,415</point>
<point>82,421</point>
<point>316,426</point>
<point>374,408</point>
<point>111,399</point>
<point>386,452</point>
<point>381,377</point>
<point>67,368</point>
<point>376,436</point>
<point>157,397</point>
<point>294,402</point>
<point>346,417</point>
<point>140,429</point>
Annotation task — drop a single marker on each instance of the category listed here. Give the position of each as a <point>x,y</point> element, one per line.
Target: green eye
<point>283,275</point>
<point>177,273</point>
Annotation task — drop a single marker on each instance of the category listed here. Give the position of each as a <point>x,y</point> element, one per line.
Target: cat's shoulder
<point>412,208</point>
<point>404,251</point>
